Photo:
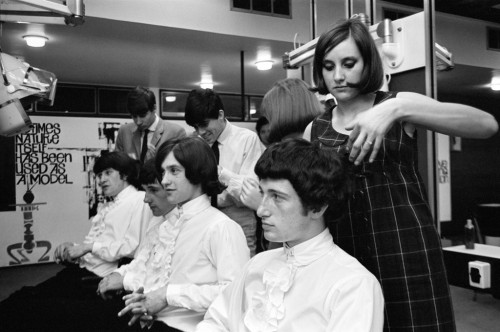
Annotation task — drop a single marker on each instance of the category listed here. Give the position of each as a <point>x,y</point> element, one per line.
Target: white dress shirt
<point>239,150</point>
<point>197,251</point>
<point>314,286</point>
<point>116,231</point>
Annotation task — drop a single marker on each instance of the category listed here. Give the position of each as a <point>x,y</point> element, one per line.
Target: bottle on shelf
<point>469,235</point>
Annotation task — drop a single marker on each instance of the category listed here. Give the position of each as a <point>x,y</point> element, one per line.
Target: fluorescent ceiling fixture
<point>206,85</point>
<point>264,64</point>
<point>170,99</point>
<point>35,41</point>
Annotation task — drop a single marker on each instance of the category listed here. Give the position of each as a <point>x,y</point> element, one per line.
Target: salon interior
<point>98,50</point>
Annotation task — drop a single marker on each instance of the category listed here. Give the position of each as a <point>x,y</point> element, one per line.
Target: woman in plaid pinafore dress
<point>388,227</point>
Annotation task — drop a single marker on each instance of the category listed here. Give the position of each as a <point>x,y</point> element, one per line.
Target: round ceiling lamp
<point>264,64</point>
<point>35,41</point>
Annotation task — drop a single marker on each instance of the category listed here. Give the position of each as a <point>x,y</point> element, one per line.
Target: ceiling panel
<point>109,52</point>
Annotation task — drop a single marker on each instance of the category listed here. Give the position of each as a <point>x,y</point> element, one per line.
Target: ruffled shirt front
<point>195,252</point>
<point>313,286</point>
<point>152,267</point>
<point>116,231</point>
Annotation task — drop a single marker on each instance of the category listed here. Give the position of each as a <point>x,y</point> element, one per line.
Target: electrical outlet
<point>479,274</point>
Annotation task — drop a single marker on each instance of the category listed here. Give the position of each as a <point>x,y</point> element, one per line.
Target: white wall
<point>216,16</point>
<point>466,39</point>
<point>60,159</point>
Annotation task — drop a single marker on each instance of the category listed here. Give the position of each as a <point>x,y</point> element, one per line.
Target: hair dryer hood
<point>23,85</point>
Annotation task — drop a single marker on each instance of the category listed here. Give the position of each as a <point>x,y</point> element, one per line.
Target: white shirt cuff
<point>173,292</point>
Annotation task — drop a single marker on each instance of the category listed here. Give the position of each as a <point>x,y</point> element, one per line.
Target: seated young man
<point>310,284</point>
<point>187,260</point>
<point>68,300</point>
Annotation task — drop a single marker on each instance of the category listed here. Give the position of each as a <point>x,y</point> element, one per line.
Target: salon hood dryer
<point>22,86</point>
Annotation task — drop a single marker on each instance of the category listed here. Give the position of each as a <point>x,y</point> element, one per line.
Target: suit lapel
<point>157,133</point>
<point>136,140</point>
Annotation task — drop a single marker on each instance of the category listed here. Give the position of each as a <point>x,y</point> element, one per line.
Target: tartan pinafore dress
<point>389,229</point>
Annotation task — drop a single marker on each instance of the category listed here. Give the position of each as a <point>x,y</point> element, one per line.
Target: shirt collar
<point>190,209</point>
<point>152,128</point>
<point>225,133</point>
<point>308,251</point>
<point>124,193</point>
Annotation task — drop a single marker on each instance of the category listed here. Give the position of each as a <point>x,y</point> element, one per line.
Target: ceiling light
<point>264,64</point>
<point>206,85</point>
<point>35,41</point>
<point>170,99</point>
<point>495,84</point>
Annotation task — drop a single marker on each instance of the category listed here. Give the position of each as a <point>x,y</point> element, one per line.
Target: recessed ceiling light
<point>206,85</point>
<point>495,83</point>
<point>264,64</point>
<point>35,41</point>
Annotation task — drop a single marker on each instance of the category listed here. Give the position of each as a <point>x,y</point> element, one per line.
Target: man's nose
<point>165,180</point>
<point>262,210</point>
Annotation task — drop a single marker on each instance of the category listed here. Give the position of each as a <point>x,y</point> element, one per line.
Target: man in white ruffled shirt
<point>188,259</point>
<point>68,300</point>
<point>310,284</point>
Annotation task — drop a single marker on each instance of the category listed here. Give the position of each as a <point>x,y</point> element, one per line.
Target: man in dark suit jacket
<point>141,138</point>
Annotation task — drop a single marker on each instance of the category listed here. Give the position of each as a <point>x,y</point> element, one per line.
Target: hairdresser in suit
<point>141,138</point>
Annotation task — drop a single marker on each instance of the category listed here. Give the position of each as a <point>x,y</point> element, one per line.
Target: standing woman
<point>389,226</point>
<point>289,106</point>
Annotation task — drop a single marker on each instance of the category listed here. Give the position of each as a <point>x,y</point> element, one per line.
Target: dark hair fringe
<point>198,160</point>
<point>128,167</point>
<point>318,176</point>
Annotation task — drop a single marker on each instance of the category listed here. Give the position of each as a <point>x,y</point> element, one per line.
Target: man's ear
<point>318,213</point>
<point>221,114</point>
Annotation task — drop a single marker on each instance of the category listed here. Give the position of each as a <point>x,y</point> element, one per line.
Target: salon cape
<point>314,286</point>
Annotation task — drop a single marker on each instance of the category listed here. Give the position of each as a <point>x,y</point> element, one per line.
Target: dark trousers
<point>65,302</point>
<point>159,327</point>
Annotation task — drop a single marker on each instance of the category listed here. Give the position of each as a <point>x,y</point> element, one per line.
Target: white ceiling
<point>110,52</point>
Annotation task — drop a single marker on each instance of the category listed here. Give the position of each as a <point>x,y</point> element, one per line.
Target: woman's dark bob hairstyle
<point>373,71</point>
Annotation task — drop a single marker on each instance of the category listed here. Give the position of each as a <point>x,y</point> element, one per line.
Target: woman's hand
<point>368,131</point>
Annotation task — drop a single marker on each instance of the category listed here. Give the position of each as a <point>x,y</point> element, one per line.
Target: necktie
<point>144,147</point>
<point>215,149</point>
